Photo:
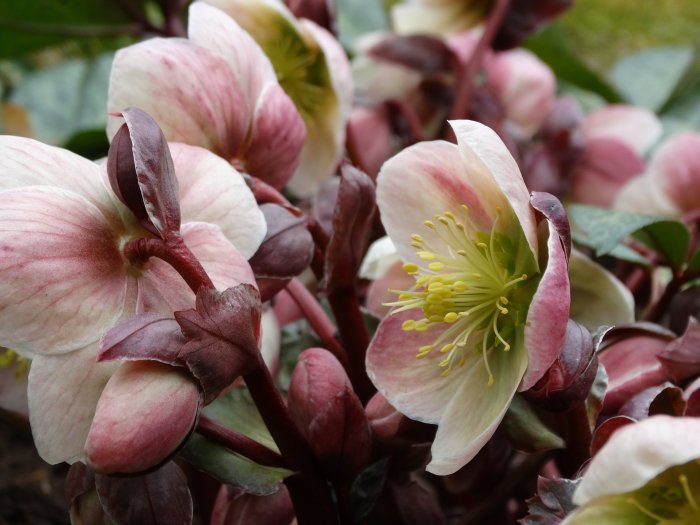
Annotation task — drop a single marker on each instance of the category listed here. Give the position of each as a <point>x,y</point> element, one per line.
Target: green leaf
<point>236,410</point>
<point>694,263</point>
<point>30,25</point>
<point>603,230</point>
<point>594,401</point>
<point>648,78</point>
<point>552,47</point>
<point>296,337</point>
<point>366,489</point>
<point>66,99</point>
<point>358,17</point>
<point>526,430</point>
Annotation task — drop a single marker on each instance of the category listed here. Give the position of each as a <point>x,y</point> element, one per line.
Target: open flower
<point>648,472</point>
<point>487,315</point>
<point>65,279</point>
<point>313,70</point>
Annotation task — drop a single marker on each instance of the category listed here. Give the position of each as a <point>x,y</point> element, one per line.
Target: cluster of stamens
<point>665,504</point>
<point>463,285</point>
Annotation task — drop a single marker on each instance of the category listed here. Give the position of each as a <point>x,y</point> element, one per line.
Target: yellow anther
<point>506,348</point>
<point>446,348</point>
<point>443,220</point>
<point>404,297</point>
<point>465,208</point>
<point>459,286</point>
<point>503,310</point>
<point>504,300</point>
<point>417,238</point>
<point>436,266</point>
<point>463,253</point>
<point>408,325</point>
<point>435,318</point>
<point>410,268</point>
<point>482,245</point>
<point>422,280</point>
<point>436,287</point>
<point>490,381</point>
<point>421,326</point>
<point>445,373</point>
<point>459,226</point>
<point>445,362</point>
<point>426,256</point>
<point>429,224</point>
<point>449,215</point>
<point>416,244</point>
<point>451,317</point>
<point>476,275</point>
<point>462,361</point>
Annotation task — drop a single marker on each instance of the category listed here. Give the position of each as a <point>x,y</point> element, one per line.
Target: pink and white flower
<point>65,280</point>
<point>488,311</point>
<point>648,472</point>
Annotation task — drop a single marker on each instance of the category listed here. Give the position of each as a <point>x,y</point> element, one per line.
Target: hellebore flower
<point>670,184</point>
<point>216,90</point>
<point>313,70</point>
<point>65,278</point>
<point>437,17</point>
<point>648,472</point>
<point>487,315</point>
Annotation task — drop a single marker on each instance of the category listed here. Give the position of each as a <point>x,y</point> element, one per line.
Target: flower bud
<point>234,506</point>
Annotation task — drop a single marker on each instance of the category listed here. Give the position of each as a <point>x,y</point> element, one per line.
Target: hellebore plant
<point>487,314</point>
<point>648,472</point>
<point>72,266</point>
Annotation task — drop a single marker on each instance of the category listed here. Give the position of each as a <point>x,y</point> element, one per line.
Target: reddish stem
<point>317,318</point>
<point>239,443</point>
<point>465,87</point>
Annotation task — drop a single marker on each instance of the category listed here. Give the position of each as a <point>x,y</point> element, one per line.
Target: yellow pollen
<point>408,325</point>
<point>504,311</point>
<point>436,266</point>
<point>443,220</point>
<point>416,244</point>
<point>482,245</point>
<point>504,300</point>
<point>459,286</point>
<point>444,362</point>
<point>451,317</point>
<point>421,326</point>
<point>426,256</point>
<point>446,348</point>
<point>436,287</point>
<point>410,268</point>
<point>429,224</point>
<point>417,238</point>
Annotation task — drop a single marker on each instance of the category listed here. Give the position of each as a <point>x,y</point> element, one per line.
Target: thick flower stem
<point>310,493</point>
<point>176,254</point>
<point>239,443</point>
<point>465,86</point>
<point>355,338</point>
<point>317,318</point>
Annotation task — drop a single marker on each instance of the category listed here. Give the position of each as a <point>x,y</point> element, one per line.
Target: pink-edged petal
<point>188,90</point>
<point>423,180</point>
<point>62,282</point>
<point>27,162</point>
<point>675,170</point>
<point>379,292</point>
<point>597,296</point>
<point>642,195</point>
<point>636,454</point>
<point>545,328</point>
<point>415,387</point>
<point>63,394</point>
<point>145,411</point>
<point>211,190</point>
<point>475,410</point>
<point>603,168</point>
<point>277,138</point>
<point>495,175</point>
<point>161,289</point>
<point>637,127</point>
<point>212,28</point>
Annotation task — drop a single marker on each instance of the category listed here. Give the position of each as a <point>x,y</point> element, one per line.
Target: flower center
<point>469,286</point>
<point>8,359</point>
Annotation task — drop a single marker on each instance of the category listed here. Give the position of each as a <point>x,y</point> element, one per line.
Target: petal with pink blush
<point>27,162</point>
<point>675,170</point>
<point>641,195</point>
<point>63,394</point>
<point>218,32</point>
<point>277,138</point>
<point>413,386</point>
<point>636,454</point>
<point>423,180</point>
<point>495,175</point>
<point>145,411</point>
<point>188,90</point>
<point>476,410</point>
<point>211,190</point>
<point>637,127</point>
<point>62,282</point>
<point>379,292</point>
<point>545,328</point>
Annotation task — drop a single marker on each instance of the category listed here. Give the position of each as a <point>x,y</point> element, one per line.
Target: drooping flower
<point>648,472</point>
<point>65,279</point>
<point>487,315</point>
<point>216,90</point>
<point>313,70</point>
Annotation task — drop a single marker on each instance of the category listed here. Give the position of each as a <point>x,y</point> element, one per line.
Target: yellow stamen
<point>688,493</point>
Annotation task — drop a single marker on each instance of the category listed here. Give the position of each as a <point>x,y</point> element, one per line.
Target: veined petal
<point>415,387</point>
<point>597,296</point>
<point>276,138</point>
<point>62,282</point>
<point>545,328</point>
<point>63,394</point>
<point>423,180</point>
<point>211,190</point>
<point>637,127</point>
<point>495,174</point>
<point>189,91</point>
<point>212,28</point>
<point>636,454</point>
<point>475,410</point>
<point>27,162</point>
